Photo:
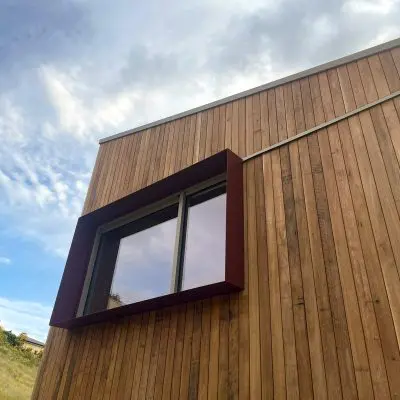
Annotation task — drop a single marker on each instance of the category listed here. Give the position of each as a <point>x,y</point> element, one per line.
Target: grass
<point>17,373</point>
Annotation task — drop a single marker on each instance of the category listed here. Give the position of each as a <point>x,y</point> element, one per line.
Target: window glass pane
<point>204,258</point>
<point>144,265</point>
<point>134,262</point>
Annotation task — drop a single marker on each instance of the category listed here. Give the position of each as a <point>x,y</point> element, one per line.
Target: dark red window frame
<point>72,282</point>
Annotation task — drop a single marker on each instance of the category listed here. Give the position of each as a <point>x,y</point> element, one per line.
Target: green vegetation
<point>18,367</point>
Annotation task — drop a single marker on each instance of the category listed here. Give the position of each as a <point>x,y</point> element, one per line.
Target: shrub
<point>12,339</point>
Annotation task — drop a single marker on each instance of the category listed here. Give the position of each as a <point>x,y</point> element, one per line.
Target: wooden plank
<point>177,149</point>
<point>244,334</point>
<point>302,350</point>
<point>264,117</point>
<point>94,352</point>
<point>256,118</point>
<point>142,151</point>
<point>359,351</point>
<point>60,390</point>
<point>346,366</point>
<point>395,53</point>
<point>86,367</point>
<point>203,135</point>
<point>268,364</point>
<point>367,312</point>
<point>54,371</point>
<point>94,180</point>
<point>273,120</point>
<point>204,350</point>
<point>191,141</point>
<point>214,349</point>
<point>270,284</point>
<point>221,129</point>
<point>378,75</point>
<point>228,126</point>
<point>162,356</point>
<point>235,127</point>
<point>209,135</point>
<point>291,375</point>
<point>193,372</point>
<point>79,366</point>
<point>241,151</point>
<point>168,157</point>
<point>379,297</point>
<point>48,357</point>
<point>122,348</point>
<point>223,367</point>
<point>169,363</point>
<point>155,352</point>
<point>185,143</point>
<point>161,139</point>
<point>132,157</point>
<point>186,353</point>
<point>95,198</point>
<point>133,164</point>
<point>108,174</point>
<point>390,71</point>
<point>107,337</point>
<point>77,361</point>
<point>254,310</point>
<point>233,354</point>
<point>281,112</point>
<point>112,361</point>
<point>60,365</point>
<point>302,345</point>
<point>178,355</point>
<point>372,226</point>
<point>150,155</point>
<point>117,188</point>
<point>301,170</point>
<point>140,355</point>
<point>129,359</point>
<point>147,356</point>
<point>215,130</point>
<point>196,148</point>
<point>65,384</point>
<point>109,194</point>
<point>310,168</point>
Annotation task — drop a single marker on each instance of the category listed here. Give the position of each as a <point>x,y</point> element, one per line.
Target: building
<point>267,271</point>
<point>33,344</point>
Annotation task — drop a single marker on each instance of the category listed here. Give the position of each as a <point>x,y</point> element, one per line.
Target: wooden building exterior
<point>320,313</point>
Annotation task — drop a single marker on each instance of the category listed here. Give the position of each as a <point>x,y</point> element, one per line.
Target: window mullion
<point>177,267</point>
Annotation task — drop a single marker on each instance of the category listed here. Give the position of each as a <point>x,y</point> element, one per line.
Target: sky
<point>74,71</point>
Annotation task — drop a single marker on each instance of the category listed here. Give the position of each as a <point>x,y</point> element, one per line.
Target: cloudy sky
<point>73,71</point>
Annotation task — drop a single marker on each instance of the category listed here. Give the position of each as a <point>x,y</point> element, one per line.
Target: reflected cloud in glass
<point>143,268</point>
<point>204,261</point>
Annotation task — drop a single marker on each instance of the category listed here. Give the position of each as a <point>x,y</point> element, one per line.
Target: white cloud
<point>370,6</point>
<point>5,260</point>
<point>25,316</point>
<point>81,117</point>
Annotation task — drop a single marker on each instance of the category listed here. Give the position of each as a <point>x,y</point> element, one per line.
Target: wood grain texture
<point>320,313</point>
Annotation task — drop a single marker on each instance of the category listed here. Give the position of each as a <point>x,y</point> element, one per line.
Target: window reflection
<point>134,262</point>
<point>204,260</point>
<point>144,265</point>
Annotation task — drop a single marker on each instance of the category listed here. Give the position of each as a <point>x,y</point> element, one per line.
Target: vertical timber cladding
<point>320,313</point>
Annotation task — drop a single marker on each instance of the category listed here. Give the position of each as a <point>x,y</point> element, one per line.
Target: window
<point>177,240</point>
<point>162,250</point>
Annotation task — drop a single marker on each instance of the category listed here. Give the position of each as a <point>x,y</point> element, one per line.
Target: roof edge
<point>302,74</point>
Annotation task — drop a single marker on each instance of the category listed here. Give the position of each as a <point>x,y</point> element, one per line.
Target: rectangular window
<point>169,248</point>
<point>178,240</point>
